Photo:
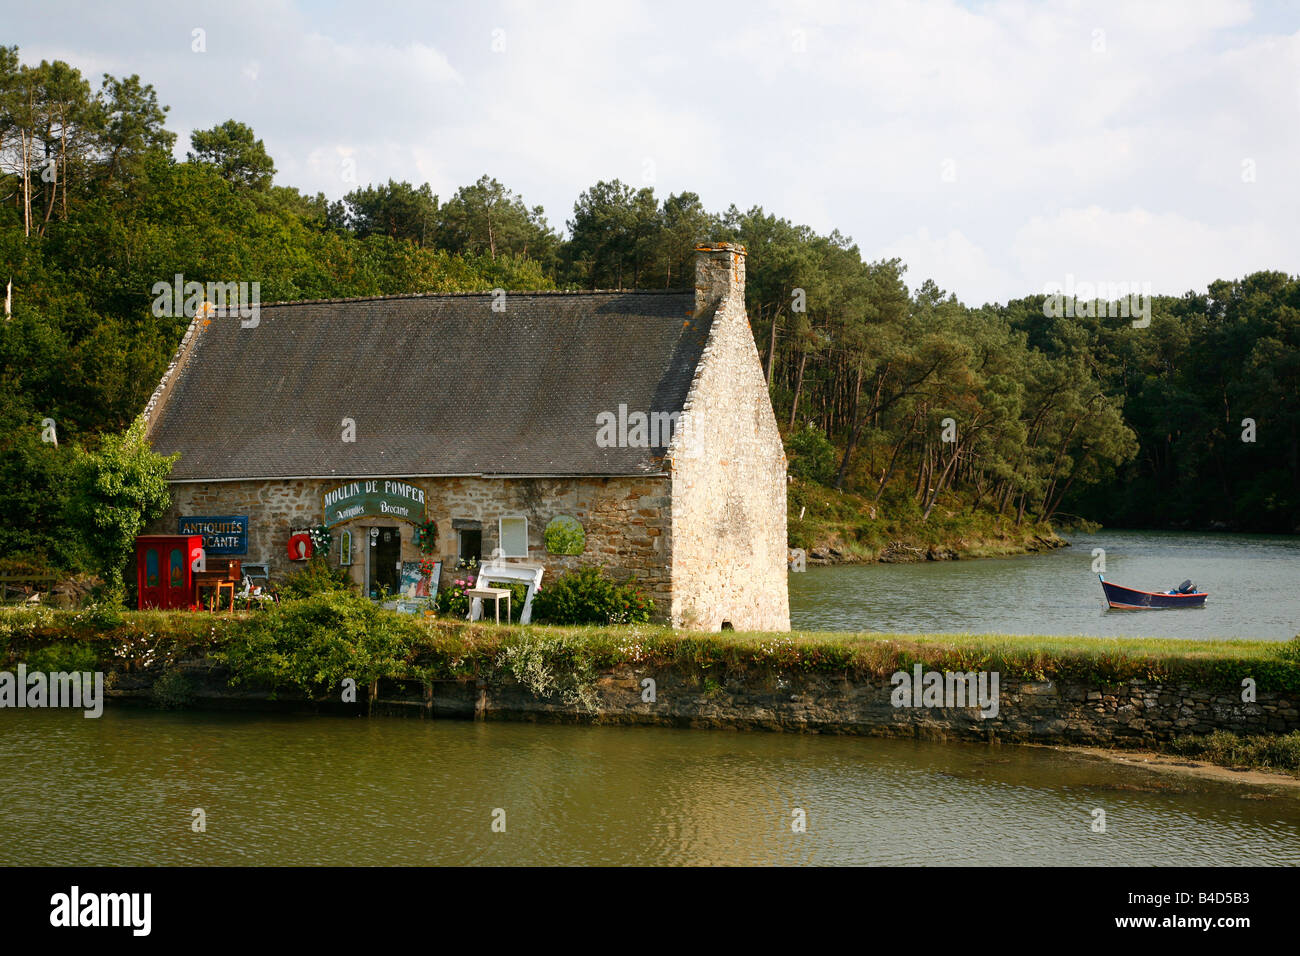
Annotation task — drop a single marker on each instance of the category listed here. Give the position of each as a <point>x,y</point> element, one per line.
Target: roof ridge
<point>468,295</point>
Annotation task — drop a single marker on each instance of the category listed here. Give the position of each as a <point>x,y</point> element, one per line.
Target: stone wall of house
<point>728,472</point>
<point>626,520</point>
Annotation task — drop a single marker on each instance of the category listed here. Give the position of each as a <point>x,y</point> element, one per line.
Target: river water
<point>1253,581</point>
<point>287,790</point>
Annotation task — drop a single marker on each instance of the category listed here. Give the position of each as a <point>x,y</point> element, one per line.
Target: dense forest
<point>906,401</point>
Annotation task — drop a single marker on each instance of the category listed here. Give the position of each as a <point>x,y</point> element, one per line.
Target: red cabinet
<point>164,575</point>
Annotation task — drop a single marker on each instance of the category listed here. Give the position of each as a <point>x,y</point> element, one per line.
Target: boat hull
<point>1131,599</point>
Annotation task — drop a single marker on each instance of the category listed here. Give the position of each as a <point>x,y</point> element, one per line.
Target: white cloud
<point>955,263</point>
<point>1061,144</point>
<point>1171,251</point>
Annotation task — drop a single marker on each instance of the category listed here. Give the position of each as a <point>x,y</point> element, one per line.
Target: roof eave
<point>589,474</point>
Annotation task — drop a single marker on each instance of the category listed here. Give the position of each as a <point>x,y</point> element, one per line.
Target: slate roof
<point>437,385</point>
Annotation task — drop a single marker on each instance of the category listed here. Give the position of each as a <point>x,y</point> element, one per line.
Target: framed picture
<point>415,586</point>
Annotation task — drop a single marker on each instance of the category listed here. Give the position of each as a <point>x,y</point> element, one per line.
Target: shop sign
<point>373,498</point>
<point>226,534</point>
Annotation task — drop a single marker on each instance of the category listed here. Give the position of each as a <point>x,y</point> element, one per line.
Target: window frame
<point>501,535</point>
<point>460,544</point>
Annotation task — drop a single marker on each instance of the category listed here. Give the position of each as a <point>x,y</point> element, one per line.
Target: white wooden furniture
<point>496,594</point>
<point>528,572</point>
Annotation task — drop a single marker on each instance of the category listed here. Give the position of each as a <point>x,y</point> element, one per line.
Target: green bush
<point>67,656</point>
<point>587,596</point>
<point>37,481</point>
<point>313,644</point>
<point>173,689</point>
<point>316,578</point>
<point>100,617</point>
<point>121,487</point>
<point>811,456</point>
<point>1267,751</point>
<point>553,666</point>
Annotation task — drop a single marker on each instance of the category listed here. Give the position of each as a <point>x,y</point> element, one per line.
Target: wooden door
<point>178,577</point>
<point>385,563</point>
<point>150,576</point>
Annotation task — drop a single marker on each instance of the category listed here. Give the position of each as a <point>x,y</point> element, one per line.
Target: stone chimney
<point>719,272</point>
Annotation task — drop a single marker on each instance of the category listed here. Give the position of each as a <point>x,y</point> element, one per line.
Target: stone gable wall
<point>626,520</point>
<point>729,474</point>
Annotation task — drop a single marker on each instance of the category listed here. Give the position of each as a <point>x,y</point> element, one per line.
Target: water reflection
<point>300,790</point>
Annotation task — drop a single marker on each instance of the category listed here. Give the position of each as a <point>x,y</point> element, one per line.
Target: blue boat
<point>1132,599</point>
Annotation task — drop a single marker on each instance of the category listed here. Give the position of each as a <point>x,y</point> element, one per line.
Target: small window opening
<point>471,544</point>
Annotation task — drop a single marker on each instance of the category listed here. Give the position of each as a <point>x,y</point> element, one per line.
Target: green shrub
<point>316,578</point>
<point>100,617</point>
<point>313,644</point>
<point>121,487</point>
<point>587,596</point>
<point>553,666</point>
<point>37,481</point>
<point>1267,751</point>
<point>1290,651</point>
<point>811,456</point>
<point>173,689</point>
<point>66,656</point>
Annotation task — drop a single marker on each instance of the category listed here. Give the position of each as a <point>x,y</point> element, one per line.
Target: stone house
<point>641,417</point>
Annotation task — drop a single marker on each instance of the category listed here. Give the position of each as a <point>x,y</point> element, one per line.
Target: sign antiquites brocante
<point>373,498</point>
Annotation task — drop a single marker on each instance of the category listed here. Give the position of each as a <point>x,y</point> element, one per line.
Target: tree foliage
<point>239,157</point>
<point>923,402</point>
<point>122,486</point>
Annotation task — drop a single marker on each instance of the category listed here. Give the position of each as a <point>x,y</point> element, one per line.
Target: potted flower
<point>426,536</point>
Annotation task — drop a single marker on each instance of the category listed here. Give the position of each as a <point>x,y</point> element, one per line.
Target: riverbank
<point>1217,769</point>
<point>836,527</point>
<point>1114,693</point>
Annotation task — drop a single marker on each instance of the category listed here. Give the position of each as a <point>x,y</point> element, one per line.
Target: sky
<point>997,148</point>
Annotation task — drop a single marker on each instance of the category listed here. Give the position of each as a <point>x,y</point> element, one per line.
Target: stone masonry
<point>703,529</point>
<point>728,471</point>
<point>1133,714</point>
<point>625,520</point>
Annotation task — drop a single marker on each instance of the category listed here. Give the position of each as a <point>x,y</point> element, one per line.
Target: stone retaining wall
<point>1132,714</point>
<point>1135,714</point>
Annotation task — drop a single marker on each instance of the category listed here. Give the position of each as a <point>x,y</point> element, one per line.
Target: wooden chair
<point>222,575</point>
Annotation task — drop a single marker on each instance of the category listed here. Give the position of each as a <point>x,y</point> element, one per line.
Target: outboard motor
<point>1187,587</point>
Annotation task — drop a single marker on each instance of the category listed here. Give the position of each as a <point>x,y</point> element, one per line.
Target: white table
<point>496,594</point>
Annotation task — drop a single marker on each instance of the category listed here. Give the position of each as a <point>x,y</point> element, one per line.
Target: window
<point>151,568</point>
<point>471,544</point>
<point>177,569</point>
<point>514,537</point>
